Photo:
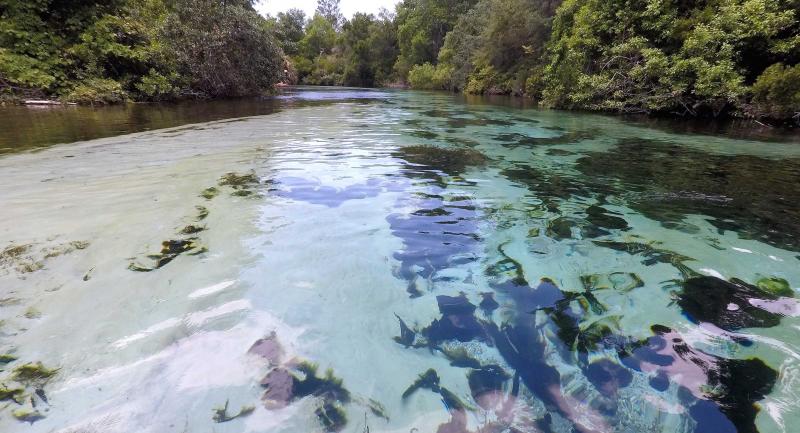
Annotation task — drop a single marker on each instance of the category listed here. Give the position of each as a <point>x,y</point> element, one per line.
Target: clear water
<point>644,280</point>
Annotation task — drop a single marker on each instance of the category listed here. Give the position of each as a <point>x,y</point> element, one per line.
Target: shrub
<point>428,77</point>
<point>97,91</point>
<point>776,93</point>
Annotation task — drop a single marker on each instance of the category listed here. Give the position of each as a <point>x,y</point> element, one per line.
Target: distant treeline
<point>695,58</point>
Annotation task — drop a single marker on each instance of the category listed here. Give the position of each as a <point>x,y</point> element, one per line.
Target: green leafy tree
<point>331,11</point>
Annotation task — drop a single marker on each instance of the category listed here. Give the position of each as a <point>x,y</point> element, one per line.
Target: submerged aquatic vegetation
<point>192,229</point>
<point>515,139</point>
<point>209,193</point>
<point>327,386</point>
<point>486,385</point>
<point>449,160</point>
<point>27,415</point>
<point>650,254</point>
<point>7,358</point>
<point>202,212</point>
<point>619,281</point>
<point>731,305</point>
<point>33,373</point>
<point>221,414</point>
<point>754,196</point>
<point>332,416</point>
<point>14,394</point>
<point>25,259</point>
<point>170,250</point>
<point>722,392</point>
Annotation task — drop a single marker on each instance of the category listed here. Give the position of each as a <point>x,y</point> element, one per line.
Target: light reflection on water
<point>457,267</point>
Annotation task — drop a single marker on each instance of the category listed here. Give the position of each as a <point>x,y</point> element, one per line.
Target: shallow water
<point>558,272</point>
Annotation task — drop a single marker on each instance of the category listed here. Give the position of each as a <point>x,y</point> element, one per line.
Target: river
<point>393,261</point>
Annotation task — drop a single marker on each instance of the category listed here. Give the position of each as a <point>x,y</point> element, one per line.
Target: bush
<point>97,91</point>
<point>428,77</point>
<point>156,87</point>
<point>776,93</point>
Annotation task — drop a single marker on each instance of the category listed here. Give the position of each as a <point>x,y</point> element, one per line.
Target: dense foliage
<point>115,50</point>
<point>702,58</point>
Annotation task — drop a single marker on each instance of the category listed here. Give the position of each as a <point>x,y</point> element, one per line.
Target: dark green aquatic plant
<point>221,414</point>
<point>192,229</point>
<point>427,135</point>
<point>650,254</point>
<point>202,212</point>
<point>775,286</point>
<point>486,385</point>
<point>619,281</point>
<point>209,193</point>
<point>33,373</point>
<point>667,182</point>
<point>327,386</point>
<point>332,416</point>
<point>170,250</point>
<point>449,160</point>
<point>730,305</point>
<point>27,415</point>
<point>14,394</point>
<point>7,358</point>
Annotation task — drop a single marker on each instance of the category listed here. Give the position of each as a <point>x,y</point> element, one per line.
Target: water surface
<point>351,260</point>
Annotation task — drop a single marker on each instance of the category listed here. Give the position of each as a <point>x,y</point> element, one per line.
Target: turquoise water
<point>397,261</point>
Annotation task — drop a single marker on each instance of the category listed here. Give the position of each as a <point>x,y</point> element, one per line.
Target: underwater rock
<point>279,383</point>
<point>727,305</point>
<point>486,385</point>
<point>268,348</point>
<point>724,390</point>
<point>221,414</point>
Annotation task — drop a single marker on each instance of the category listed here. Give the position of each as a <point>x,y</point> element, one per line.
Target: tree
<point>289,30</point>
<point>223,49</point>
<point>330,10</point>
